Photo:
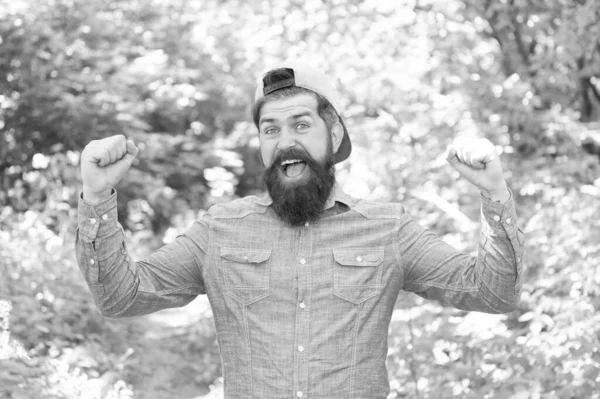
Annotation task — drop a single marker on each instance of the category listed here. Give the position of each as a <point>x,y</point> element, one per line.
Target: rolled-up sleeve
<point>121,287</point>
<point>489,282</point>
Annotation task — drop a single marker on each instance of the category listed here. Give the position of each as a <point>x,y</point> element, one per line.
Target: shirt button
<point>496,218</point>
<point>300,348</point>
<point>302,305</point>
<point>518,260</point>
<point>93,221</point>
<point>92,261</point>
<point>508,220</point>
<point>104,217</point>
<point>358,259</point>
<point>306,224</point>
<point>303,261</point>
<point>299,394</point>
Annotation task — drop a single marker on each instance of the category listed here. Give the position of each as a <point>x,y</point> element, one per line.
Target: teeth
<point>290,161</point>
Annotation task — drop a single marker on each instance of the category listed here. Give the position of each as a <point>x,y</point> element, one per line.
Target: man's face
<point>297,150</point>
<point>292,123</point>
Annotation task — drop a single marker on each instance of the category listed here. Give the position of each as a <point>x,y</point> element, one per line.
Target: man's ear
<point>337,134</point>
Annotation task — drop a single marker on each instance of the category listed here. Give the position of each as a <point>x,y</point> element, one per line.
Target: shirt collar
<point>337,195</point>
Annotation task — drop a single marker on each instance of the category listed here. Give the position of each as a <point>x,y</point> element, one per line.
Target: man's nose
<point>286,140</point>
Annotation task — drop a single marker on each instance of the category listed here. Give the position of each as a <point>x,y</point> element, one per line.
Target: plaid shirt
<point>302,312</point>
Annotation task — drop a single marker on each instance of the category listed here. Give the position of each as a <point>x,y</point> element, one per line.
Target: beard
<point>303,201</point>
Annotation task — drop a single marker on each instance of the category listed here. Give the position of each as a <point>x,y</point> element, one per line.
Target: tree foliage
<point>178,76</point>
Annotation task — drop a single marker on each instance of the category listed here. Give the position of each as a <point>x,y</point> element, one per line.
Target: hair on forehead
<point>324,107</point>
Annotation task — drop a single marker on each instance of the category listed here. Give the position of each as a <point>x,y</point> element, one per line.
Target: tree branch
<point>512,12</point>
<point>594,89</point>
<point>584,82</point>
<point>464,223</point>
<point>413,370</point>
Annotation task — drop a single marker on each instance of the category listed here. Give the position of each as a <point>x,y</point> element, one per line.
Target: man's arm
<point>121,287</point>
<point>492,281</point>
<point>170,277</point>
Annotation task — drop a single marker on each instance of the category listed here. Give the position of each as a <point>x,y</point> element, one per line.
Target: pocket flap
<point>364,256</point>
<point>245,255</point>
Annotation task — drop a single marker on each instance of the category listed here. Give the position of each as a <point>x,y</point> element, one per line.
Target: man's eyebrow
<point>301,115</point>
<point>267,120</point>
<point>296,116</point>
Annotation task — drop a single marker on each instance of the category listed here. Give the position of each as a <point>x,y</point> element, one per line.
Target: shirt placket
<point>302,327</point>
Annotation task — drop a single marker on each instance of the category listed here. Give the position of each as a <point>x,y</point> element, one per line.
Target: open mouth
<point>293,167</point>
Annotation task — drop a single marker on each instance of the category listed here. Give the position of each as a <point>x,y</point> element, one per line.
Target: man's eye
<point>270,131</point>
<point>302,126</point>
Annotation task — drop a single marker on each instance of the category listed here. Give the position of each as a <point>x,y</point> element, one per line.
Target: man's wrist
<point>501,194</point>
<point>95,197</point>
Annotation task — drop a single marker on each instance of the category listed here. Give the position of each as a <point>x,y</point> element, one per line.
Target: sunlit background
<point>178,77</point>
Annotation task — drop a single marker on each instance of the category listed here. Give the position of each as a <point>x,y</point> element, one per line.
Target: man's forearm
<point>100,257</point>
<point>501,250</point>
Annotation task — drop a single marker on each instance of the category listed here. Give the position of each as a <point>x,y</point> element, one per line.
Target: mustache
<point>293,153</point>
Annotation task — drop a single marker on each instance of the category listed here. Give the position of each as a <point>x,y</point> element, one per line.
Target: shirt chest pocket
<point>357,273</point>
<point>246,273</point>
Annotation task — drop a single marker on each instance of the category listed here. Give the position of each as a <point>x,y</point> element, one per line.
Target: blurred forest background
<point>178,76</point>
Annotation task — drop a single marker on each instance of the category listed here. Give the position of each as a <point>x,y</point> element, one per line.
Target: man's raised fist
<point>103,164</point>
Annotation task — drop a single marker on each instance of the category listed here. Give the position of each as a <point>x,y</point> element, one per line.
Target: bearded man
<point>303,280</point>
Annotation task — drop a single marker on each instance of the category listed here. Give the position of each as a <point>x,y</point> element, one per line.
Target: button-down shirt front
<point>302,311</point>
